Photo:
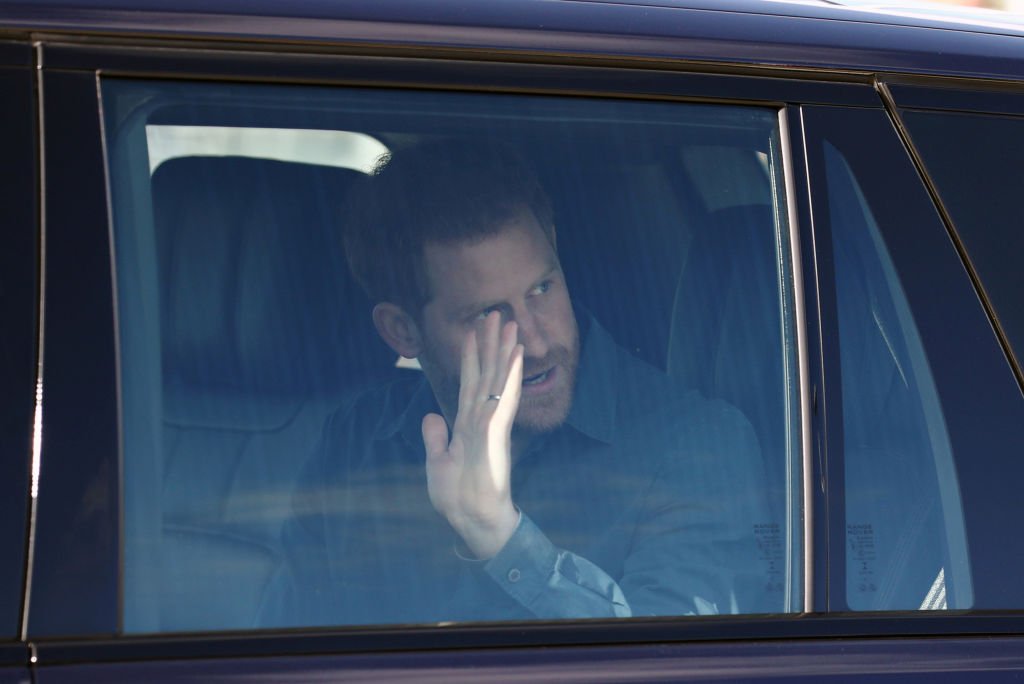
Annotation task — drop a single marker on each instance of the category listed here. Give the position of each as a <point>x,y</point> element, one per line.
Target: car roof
<point>849,35</point>
<point>910,13</point>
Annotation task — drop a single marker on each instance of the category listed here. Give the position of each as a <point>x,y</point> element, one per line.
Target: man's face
<point>515,272</point>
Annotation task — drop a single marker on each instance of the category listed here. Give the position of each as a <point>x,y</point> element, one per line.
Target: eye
<point>484,313</point>
<point>542,288</point>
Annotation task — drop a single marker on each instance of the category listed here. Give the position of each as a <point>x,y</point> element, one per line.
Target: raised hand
<point>468,477</point>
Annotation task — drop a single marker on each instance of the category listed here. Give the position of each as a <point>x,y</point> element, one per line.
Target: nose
<point>531,334</point>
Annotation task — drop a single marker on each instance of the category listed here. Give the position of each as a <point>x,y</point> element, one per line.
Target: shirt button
<point>514,575</point>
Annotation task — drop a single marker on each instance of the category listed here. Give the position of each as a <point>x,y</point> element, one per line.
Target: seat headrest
<point>626,276</point>
<point>255,293</point>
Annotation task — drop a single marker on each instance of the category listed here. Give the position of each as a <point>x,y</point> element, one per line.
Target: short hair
<point>439,193</point>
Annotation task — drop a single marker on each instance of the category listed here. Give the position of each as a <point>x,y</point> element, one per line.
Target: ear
<point>398,329</point>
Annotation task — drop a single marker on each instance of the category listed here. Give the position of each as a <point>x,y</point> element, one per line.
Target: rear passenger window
<point>930,411</point>
<point>904,518</point>
<point>396,357</point>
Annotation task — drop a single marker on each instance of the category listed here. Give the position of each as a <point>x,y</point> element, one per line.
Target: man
<point>535,470</point>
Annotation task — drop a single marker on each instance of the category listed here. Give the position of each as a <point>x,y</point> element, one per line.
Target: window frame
<point>76,513</point>
<point>157,92</point>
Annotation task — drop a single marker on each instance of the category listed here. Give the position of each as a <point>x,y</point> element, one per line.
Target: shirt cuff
<point>525,564</point>
<point>464,554</point>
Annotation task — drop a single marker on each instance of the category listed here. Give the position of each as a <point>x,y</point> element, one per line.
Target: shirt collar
<point>408,420</point>
<point>593,411</point>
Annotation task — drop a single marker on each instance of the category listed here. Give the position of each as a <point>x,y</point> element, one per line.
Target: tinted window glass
<point>300,272</point>
<point>904,522</point>
<point>930,410</point>
<point>974,160</point>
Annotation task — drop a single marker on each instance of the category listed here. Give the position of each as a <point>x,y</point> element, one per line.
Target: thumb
<point>435,435</point>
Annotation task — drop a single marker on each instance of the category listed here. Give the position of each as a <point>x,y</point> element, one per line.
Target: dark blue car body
<point>60,583</point>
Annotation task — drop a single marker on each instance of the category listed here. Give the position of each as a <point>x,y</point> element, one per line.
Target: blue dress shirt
<point>648,500</point>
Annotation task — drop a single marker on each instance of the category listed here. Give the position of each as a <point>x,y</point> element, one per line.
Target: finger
<point>487,340</point>
<point>509,404</point>
<point>435,436</point>
<point>506,345</point>
<point>469,378</point>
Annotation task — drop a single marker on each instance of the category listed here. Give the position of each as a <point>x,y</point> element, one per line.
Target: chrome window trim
<point>37,416</point>
<point>803,362</point>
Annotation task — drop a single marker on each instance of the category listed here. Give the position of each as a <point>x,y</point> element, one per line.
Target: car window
<point>929,407</point>
<point>285,327</point>
<point>904,518</point>
<point>972,159</point>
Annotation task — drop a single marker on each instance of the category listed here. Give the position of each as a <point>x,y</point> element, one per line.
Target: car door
<point>206,429</point>
<point>170,440</point>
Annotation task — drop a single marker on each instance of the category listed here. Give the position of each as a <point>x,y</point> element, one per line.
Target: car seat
<point>726,341</point>
<point>263,333</point>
